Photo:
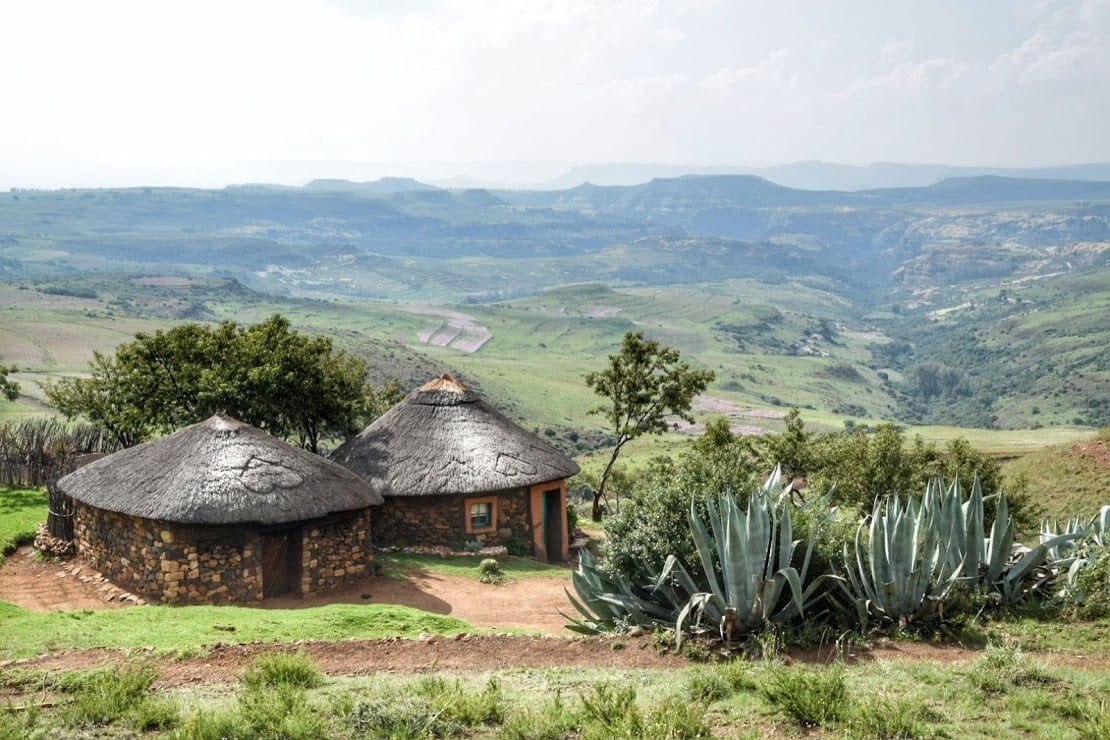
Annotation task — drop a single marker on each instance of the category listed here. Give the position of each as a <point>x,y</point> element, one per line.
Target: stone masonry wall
<point>171,563</point>
<point>440,521</point>
<point>335,552</point>
<point>186,564</point>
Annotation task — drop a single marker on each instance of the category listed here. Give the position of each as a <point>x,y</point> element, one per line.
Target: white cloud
<point>129,81</point>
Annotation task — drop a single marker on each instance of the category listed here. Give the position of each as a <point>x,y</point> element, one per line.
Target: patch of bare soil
<point>531,604</point>
<point>479,653</point>
<point>48,586</point>
<point>1097,452</point>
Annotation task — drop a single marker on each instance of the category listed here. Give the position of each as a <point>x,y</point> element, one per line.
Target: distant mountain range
<point>824,175</point>
<point>1001,281</point>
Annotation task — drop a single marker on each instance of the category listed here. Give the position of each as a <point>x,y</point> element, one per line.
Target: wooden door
<point>281,562</point>
<point>554,530</point>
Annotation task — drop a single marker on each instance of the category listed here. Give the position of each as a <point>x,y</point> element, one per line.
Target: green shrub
<point>456,703</point>
<point>400,717</point>
<point>652,523</point>
<point>738,674</point>
<point>490,571</point>
<point>283,669</point>
<point>1092,586</point>
<point>156,713</point>
<point>609,704</point>
<point>812,697</point>
<point>518,547</point>
<point>676,719</point>
<point>222,725</point>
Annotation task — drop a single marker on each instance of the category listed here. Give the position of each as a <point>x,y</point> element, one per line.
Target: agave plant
<point>918,551</point>
<point>992,562</point>
<point>1071,546</point>
<point>908,568</point>
<point>607,602</point>
<point>747,558</point>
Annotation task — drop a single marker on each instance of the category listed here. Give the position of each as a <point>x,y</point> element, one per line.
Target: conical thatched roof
<point>220,471</point>
<point>444,439</point>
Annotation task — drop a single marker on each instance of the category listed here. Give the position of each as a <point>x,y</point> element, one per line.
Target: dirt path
<point>533,603</point>
<point>51,587</point>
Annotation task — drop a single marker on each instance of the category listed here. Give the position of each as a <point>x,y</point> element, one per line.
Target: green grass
<point>468,566</point>
<point>1000,693</point>
<point>1066,479</point>
<point>29,633</point>
<point>21,512</point>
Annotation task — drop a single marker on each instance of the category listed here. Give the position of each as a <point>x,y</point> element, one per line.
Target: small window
<point>481,515</point>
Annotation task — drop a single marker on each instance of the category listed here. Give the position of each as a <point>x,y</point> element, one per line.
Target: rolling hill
<point>973,301</point>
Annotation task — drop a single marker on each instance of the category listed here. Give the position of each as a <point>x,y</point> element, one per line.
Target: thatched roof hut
<point>220,471</point>
<point>469,465</point>
<point>444,439</point>
<point>222,512</point>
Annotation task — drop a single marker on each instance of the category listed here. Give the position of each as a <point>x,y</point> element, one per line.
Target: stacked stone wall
<point>440,521</point>
<point>187,564</point>
<point>336,551</point>
<point>171,563</point>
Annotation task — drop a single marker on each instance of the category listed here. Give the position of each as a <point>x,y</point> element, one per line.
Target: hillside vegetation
<point>976,302</point>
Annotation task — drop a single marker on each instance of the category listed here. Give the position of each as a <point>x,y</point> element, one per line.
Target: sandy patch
<point>452,329</point>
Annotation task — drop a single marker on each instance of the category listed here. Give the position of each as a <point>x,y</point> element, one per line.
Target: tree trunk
<point>600,492</point>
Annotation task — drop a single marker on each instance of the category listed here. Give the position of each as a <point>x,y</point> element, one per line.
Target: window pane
<point>481,515</point>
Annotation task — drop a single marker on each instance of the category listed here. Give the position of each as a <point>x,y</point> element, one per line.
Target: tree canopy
<point>9,389</point>
<point>644,383</point>
<point>291,385</point>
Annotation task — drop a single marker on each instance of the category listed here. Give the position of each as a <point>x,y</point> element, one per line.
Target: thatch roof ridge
<point>444,439</point>
<point>219,471</point>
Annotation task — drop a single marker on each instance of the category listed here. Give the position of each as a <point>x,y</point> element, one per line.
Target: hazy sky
<point>198,92</point>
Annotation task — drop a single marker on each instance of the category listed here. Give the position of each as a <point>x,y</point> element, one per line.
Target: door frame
<point>537,496</point>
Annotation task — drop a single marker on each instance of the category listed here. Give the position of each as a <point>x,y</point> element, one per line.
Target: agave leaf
<point>973,532</point>
<point>674,570</point>
<point>1001,542</point>
<point>696,605</point>
<point>705,545</point>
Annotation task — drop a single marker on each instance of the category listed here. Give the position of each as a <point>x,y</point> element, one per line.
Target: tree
<point>291,385</point>
<point>643,383</point>
<point>791,449</point>
<point>9,389</point>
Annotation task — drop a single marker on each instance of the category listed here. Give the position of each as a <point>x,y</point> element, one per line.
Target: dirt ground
<point>50,587</point>
<point>531,603</point>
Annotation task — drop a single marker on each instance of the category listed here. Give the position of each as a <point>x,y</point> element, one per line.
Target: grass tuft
<point>111,696</point>
<point>812,697</point>
<point>283,669</point>
<point>1002,668</point>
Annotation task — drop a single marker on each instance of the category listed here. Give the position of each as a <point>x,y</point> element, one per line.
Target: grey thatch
<point>444,439</point>
<point>220,471</point>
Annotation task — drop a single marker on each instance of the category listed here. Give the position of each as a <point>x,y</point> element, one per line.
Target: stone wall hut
<point>221,512</point>
<point>454,470</point>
